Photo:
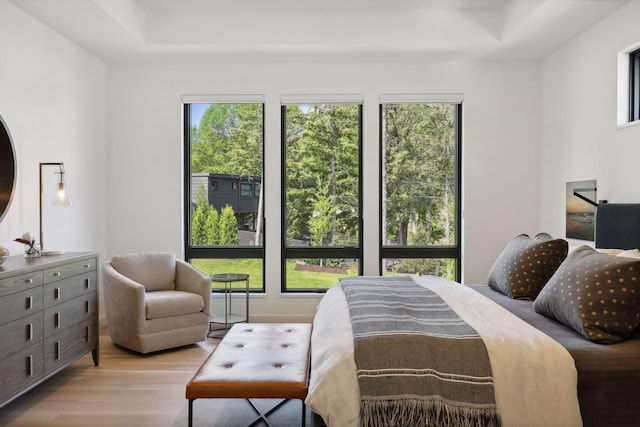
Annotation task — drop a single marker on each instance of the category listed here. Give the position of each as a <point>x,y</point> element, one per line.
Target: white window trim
<point>224,99</point>
<point>425,98</point>
<point>623,87</point>
<point>297,99</point>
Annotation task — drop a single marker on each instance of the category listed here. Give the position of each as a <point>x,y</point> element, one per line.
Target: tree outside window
<point>321,194</point>
<point>420,202</point>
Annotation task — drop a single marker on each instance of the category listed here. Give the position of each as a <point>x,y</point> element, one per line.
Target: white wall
<point>118,129</point>
<point>500,145</point>
<point>53,99</point>
<point>580,138</point>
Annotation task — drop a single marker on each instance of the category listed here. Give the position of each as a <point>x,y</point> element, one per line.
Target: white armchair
<point>155,301</point>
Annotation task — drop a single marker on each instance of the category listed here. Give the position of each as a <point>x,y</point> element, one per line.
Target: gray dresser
<point>48,318</point>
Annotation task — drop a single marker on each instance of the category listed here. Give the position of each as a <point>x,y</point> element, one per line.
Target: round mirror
<point>7,169</point>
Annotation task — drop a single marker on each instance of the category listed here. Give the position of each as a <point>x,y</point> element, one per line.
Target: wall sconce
<point>61,198</point>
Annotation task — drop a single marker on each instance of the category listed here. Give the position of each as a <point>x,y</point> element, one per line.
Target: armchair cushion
<point>171,303</point>
<point>155,271</point>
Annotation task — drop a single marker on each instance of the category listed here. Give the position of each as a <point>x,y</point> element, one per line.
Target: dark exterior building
<point>241,192</point>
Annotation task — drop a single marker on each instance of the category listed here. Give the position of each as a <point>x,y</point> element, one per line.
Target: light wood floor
<point>127,389</point>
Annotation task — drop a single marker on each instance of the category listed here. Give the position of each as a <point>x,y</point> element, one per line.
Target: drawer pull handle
<point>87,265</point>
<point>57,273</point>
<point>28,281</point>
<point>58,351</point>
<point>87,334</point>
<point>57,317</point>
<point>87,283</point>
<point>56,293</point>
<point>29,302</point>
<point>30,332</point>
<point>87,306</point>
<point>30,365</point>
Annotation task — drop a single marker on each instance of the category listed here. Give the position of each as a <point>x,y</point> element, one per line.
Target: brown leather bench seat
<point>256,360</point>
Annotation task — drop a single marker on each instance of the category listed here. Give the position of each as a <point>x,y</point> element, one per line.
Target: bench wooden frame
<point>256,360</point>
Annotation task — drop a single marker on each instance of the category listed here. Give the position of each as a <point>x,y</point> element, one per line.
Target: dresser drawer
<point>70,269</point>
<point>20,370</point>
<point>21,282</point>
<point>62,316</point>
<point>20,304</point>
<point>69,344</point>
<point>68,288</point>
<point>20,334</point>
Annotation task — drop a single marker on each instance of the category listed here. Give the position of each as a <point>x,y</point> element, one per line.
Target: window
<point>246,189</point>
<point>628,86</point>
<point>321,194</point>
<point>223,216</point>
<point>420,191</point>
<point>634,85</point>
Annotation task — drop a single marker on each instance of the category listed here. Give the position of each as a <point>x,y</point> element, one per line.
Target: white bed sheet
<point>535,377</point>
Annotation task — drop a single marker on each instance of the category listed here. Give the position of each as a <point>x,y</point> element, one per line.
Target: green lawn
<point>252,267</point>
<point>312,279</point>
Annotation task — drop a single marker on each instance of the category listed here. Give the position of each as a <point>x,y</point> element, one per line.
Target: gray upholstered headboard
<point>618,225</point>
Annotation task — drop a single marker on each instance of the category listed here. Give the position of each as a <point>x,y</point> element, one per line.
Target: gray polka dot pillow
<point>525,265</point>
<point>596,294</point>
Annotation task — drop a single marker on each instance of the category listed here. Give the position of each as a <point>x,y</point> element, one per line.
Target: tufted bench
<point>256,360</point>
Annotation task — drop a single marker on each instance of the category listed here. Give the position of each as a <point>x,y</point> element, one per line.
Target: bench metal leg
<point>263,416</point>
<point>191,412</point>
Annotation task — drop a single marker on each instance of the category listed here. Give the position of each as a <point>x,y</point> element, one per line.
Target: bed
<point>544,371</point>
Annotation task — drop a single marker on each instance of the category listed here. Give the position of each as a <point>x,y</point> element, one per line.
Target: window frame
<point>344,252</point>
<point>634,85</point>
<point>427,252</point>
<point>216,252</point>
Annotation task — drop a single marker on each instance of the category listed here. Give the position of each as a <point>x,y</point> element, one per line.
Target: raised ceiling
<point>305,30</point>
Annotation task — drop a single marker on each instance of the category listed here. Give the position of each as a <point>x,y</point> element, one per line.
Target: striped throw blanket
<point>418,363</point>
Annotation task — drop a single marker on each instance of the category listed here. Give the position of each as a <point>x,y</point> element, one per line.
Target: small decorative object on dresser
<point>4,254</point>
<point>48,318</point>
<point>31,250</point>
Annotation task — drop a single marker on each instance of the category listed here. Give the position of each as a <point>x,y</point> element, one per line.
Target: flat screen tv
<point>7,169</point>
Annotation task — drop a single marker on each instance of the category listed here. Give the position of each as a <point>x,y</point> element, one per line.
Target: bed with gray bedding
<point>533,377</point>
<point>561,329</point>
<point>608,374</point>
<point>591,306</point>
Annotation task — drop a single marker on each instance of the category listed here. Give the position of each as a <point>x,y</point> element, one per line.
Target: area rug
<point>239,413</point>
